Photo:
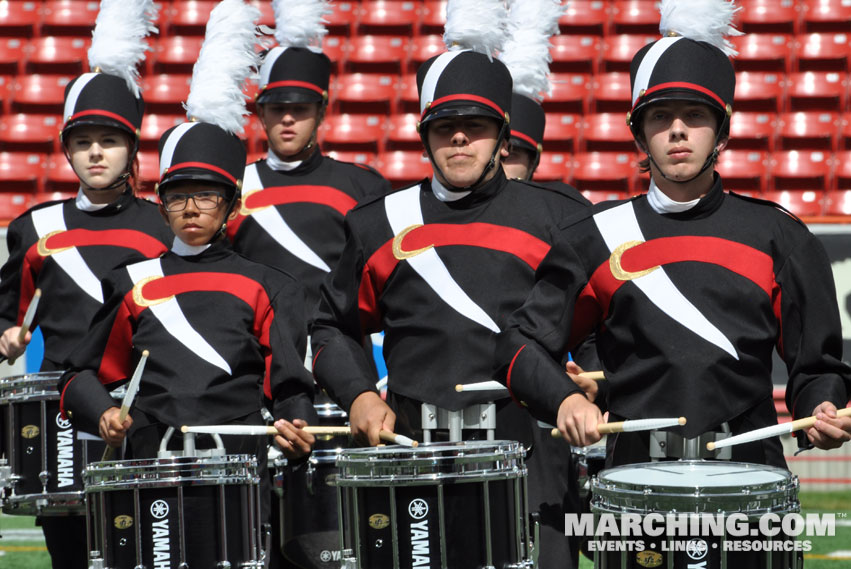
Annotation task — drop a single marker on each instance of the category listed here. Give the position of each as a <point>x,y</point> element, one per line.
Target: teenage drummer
<point>690,288</point>
<point>66,247</point>
<point>439,265</point>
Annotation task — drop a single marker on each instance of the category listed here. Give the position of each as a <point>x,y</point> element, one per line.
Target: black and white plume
<point>226,60</point>
<point>118,40</point>
<point>709,21</point>
<point>479,25</point>
<point>526,53</point>
<point>300,23</point>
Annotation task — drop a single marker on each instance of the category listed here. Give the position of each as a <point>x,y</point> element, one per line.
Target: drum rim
<point>173,471</point>
<point>10,384</point>
<point>786,477</point>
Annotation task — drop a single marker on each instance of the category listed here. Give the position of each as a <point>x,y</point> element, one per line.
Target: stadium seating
<point>752,131</point>
<point>800,170</point>
<point>744,170</point>
<point>608,171</point>
<point>825,16</point>
<point>357,132</point>
<point>823,52</point>
<point>554,167</point>
<point>606,132</point>
<point>810,130</point>
<point>29,132</point>
<point>21,172</point>
<point>763,52</point>
<point>19,19</point>
<point>562,132</point>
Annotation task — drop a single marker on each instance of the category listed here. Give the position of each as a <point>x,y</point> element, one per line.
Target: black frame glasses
<point>204,200</point>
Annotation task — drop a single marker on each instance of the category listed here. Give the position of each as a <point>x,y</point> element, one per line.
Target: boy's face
<point>680,136</point>
<point>518,164</point>
<point>461,147</point>
<point>195,210</point>
<point>289,127</point>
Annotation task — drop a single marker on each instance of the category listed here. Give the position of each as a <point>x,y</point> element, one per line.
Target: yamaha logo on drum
<point>696,549</point>
<point>420,553</point>
<point>62,423</point>
<point>64,452</point>
<point>160,535</point>
<point>159,509</point>
<point>418,508</point>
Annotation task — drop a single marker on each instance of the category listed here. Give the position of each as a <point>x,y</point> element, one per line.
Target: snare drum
<point>460,504</point>
<point>170,512</point>
<point>712,488</point>
<point>45,453</point>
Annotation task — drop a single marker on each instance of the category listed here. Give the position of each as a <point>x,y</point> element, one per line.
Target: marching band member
<point>689,288</point>
<point>223,332</point>
<point>66,247</point>
<point>439,265</point>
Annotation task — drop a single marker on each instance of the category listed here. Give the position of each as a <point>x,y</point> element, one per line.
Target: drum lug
<point>96,560</point>
<point>219,565</point>
<point>348,560</point>
<point>309,475</point>
<point>44,477</point>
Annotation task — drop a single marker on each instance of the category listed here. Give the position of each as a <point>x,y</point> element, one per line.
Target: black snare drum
<point>174,512</point>
<point>45,453</point>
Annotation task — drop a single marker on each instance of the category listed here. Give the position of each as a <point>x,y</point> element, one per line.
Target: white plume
<point>118,40</point>
<point>479,25</point>
<point>226,60</point>
<point>299,23</point>
<point>709,21</point>
<point>527,50</point>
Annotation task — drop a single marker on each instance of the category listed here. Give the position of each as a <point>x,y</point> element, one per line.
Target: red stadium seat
<point>187,17</point>
<point>597,196</point>
<point>585,17</point>
<point>377,54</point>
<point>60,176</point>
<point>837,203</point>
<point>743,171</point>
<point>811,130</point>
<point>364,133</point>
<point>22,171</point>
<point>364,158</point>
<point>570,93</point>
<point>845,132</point>
<point>149,173</point>
<point>39,94</point>
<point>816,91</point>
<point>826,15</point>
<point>153,127</point>
<point>842,170</point>
<point>68,17</point>
<point>57,55</point>
<point>611,93</point>
<point>403,168</point>
<point>343,18</point>
<point>12,55</point>
<point>768,16</point>
<point>800,170</point>
<point>607,171</point>
<point>13,205</point>
<point>635,17</point>
<point>553,167</point>
<point>335,47</point>
<point>254,135</point>
<point>752,131</point>
<point>409,101</point>
<point>422,48</point>
<point>402,132</point>
<point>19,19</point>
<point>7,89</point>
<point>618,50</point>
<point>30,132</point>
<point>809,203</point>
<point>368,93</point>
<point>175,54</point>
<point>758,91</point>
<point>823,52</point>
<point>433,17</point>
<point>164,93</point>
<point>576,54</point>
<point>390,17</point>
<point>562,132</point>
<point>606,132</point>
<point>763,52</point>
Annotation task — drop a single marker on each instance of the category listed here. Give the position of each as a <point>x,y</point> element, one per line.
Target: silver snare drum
<point>170,512</point>
<point>45,454</point>
<point>460,504</point>
<point>708,492</point>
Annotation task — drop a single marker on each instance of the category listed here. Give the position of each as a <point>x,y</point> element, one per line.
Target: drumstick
<point>391,437</point>
<point>772,431</point>
<point>29,316</point>
<point>129,395</point>
<point>260,430</point>
<point>497,386</point>
<point>633,425</point>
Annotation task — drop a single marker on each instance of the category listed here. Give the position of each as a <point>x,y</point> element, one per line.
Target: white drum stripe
<point>645,69</point>
<point>619,225</point>
<point>403,210</point>
<point>171,144</point>
<point>173,320</point>
<point>268,63</point>
<point>74,94</point>
<point>433,75</point>
<point>50,219</point>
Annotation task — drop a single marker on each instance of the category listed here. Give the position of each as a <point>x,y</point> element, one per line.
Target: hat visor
<point>522,143</point>
<point>193,175</point>
<point>459,109</point>
<point>290,95</point>
<point>96,120</point>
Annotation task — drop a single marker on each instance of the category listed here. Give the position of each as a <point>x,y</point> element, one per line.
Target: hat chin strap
<point>488,167</point>
<point>224,226</point>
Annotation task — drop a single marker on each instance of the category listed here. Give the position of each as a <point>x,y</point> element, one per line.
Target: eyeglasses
<point>202,200</point>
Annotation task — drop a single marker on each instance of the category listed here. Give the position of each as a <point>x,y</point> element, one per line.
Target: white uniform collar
<point>83,202</point>
<point>276,163</point>
<point>663,204</point>
<point>182,249</point>
<point>445,195</point>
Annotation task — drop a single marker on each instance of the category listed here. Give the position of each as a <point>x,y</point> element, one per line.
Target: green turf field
<point>29,553</point>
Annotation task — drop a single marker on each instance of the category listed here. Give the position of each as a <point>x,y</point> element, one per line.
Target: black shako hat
<point>102,99</point>
<point>464,82</point>
<point>294,75</point>
<point>527,123</point>
<point>679,68</point>
<point>201,151</point>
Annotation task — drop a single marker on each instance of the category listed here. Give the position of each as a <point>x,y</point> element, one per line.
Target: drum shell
<point>201,510</point>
